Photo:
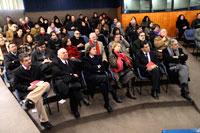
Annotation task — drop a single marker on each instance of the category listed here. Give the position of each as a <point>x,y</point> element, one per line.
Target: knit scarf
<point>97,46</point>
<point>121,59</point>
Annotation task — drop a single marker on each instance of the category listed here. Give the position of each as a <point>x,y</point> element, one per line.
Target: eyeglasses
<point>77,33</point>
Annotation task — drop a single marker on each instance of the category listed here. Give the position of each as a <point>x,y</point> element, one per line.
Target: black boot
<point>108,108</point>
<point>185,92</point>
<point>115,96</point>
<point>130,92</point>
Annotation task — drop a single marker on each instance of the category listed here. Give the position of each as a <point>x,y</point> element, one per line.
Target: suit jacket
<point>169,60</point>
<point>90,65</point>
<point>142,61</point>
<point>23,78</point>
<point>11,62</point>
<point>38,57</point>
<point>63,76</point>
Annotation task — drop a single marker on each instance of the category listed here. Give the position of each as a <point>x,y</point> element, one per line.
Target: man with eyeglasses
<point>135,46</point>
<point>78,41</point>
<point>42,56</point>
<point>178,71</point>
<point>124,44</point>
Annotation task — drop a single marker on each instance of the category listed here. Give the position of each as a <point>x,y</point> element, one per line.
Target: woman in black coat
<point>181,24</point>
<point>94,74</point>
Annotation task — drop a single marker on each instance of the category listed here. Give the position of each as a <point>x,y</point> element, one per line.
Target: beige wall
<point>14,14</point>
<point>112,12</point>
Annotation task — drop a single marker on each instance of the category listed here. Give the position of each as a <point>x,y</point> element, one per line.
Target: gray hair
<point>60,51</point>
<point>92,34</point>
<point>172,41</point>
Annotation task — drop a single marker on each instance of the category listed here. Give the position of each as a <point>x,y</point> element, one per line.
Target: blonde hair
<point>115,44</point>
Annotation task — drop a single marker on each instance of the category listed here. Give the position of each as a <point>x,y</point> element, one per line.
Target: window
<point>145,5</point>
<point>181,4</point>
<point>194,4</point>
<point>11,5</point>
<point>159,5</point>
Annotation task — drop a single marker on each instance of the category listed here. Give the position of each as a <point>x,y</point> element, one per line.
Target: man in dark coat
<point>28,82</point>
<point>147,62</point>
<point>175,61</point>
<point>11,61</point>
<point>66,80</point>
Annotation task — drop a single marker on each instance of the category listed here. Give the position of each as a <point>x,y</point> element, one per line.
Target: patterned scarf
<point>97,47</point>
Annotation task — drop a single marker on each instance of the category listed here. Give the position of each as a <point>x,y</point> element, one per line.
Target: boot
<point>185,92</point>
<point>115,96</point>
<point>130,94</point>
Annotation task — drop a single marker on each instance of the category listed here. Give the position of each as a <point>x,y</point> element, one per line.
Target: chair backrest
<point>138,73</point>
<point>189,34</point>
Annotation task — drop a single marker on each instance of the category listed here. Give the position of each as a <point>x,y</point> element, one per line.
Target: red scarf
<point>97,47</point>
<point>121,58</point>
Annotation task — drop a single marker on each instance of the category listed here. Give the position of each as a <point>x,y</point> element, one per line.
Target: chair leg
<point>58,108</point>
<point>140,91</point>
<point>167,85</point>
<point>48,107</point>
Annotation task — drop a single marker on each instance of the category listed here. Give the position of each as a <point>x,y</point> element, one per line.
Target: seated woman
<point>73,52</point>
<point>94,73</point>
<point>121,65</point>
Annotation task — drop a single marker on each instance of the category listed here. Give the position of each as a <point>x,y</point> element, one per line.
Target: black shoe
<point>187,97</point>
<point>76,114</point>
<point>46,125</point>
<point>155,96</point>
<point>28,105</point>
<point>108,108</point>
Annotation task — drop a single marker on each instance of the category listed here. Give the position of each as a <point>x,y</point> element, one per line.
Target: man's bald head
<point>62,54</point>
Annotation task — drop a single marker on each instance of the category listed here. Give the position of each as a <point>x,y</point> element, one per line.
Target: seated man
<point>66,80</point>
<point>99,46</point>
<point>147,62</point>
<point>175,61</point>
<point>25,78</point>
<point>11,62</point>
<point>42,57</point>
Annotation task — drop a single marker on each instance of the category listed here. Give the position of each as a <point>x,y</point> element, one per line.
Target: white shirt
<point>148,56</point>
<point>64,61</point>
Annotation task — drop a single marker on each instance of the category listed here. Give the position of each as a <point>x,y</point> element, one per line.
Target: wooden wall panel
<point>164,19</point>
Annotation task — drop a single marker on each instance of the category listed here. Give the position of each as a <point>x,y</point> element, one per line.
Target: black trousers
<point>100,80</point>
<point>74,98</point>
<point>154,75</point>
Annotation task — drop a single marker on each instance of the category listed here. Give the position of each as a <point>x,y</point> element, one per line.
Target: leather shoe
<point>28,104</point>
<point>187,97</point>
<point>108,108</point>
<point>155,96</point>
<point>46,125</point>
<point>76,114</point>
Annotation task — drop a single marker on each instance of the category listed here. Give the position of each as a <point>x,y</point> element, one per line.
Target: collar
<point>26,67</point>
<point>64,61</point>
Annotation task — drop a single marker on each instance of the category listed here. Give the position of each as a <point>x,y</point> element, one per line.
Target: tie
<point>66,62</point>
